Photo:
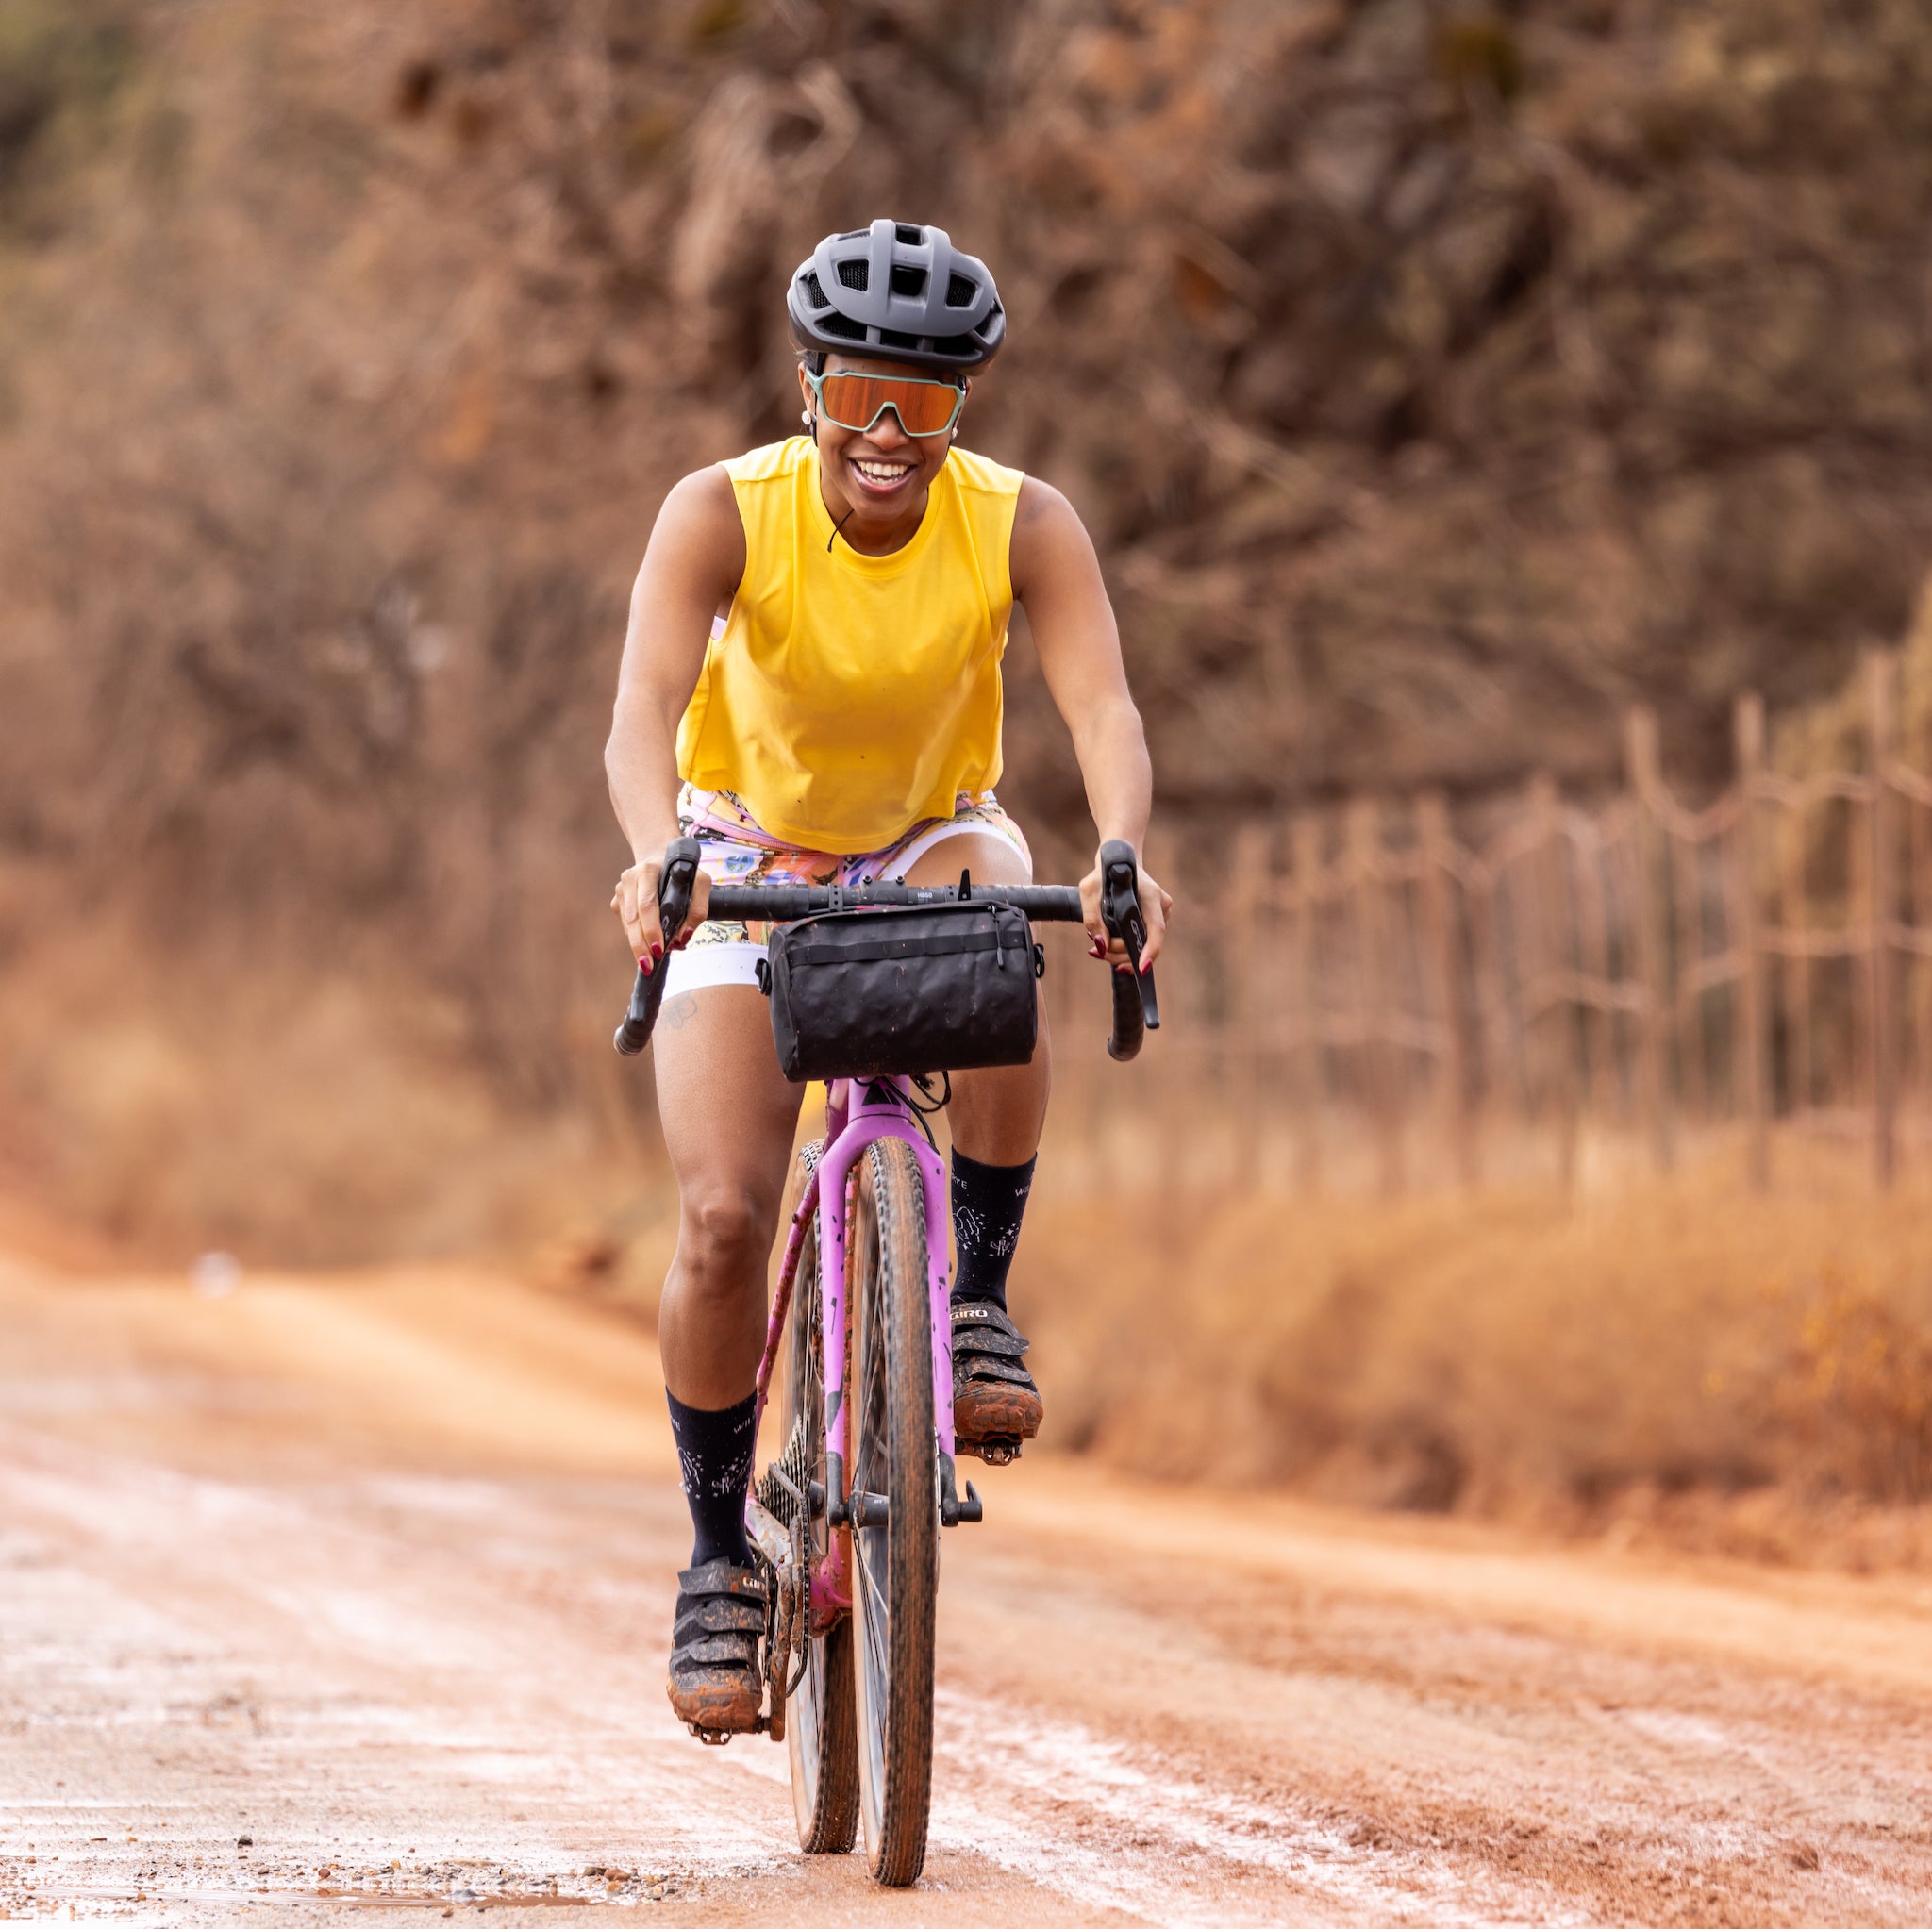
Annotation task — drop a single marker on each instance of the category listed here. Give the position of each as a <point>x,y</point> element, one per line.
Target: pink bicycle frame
<point>849,1130</point>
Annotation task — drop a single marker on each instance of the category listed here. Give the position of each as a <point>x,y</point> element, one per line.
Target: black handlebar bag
<point>902,989</point>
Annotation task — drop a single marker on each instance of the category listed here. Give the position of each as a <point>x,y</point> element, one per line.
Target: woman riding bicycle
<point>812,688</point>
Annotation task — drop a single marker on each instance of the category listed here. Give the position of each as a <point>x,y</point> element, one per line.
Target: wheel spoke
<point>876,1612</point>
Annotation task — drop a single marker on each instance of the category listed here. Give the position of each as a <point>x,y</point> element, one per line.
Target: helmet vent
<point>960,291</point>
<point>813,293</point>
<point>910,281</point>
<point>958,347</point>
<point>843,327</point>
<point>854,275</point>
<point>911,236</point>
<point>892,337</point>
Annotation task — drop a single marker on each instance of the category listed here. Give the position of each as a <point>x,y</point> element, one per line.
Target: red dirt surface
<point>376,1572</point>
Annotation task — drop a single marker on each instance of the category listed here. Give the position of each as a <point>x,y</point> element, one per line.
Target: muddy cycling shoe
<point>997,1406</point>
<point>716,1687</point>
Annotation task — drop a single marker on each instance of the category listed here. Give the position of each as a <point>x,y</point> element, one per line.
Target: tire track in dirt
<point>257,1577</point>
<point>337,1628</point>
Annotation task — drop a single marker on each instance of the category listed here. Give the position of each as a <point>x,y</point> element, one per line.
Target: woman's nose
<point>888,432</point>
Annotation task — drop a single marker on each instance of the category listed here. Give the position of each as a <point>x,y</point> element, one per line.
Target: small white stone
<point>215,1275</point>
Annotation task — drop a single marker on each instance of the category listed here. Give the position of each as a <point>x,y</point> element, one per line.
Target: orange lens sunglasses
<point>857,401</point>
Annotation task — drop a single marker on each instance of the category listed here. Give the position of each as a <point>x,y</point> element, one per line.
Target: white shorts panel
<point>700,966</point>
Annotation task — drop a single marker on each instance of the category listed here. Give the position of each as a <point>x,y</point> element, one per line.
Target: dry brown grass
<point>1677,1355</point>
<point>293,1110</point>
<point>1673,1360</point>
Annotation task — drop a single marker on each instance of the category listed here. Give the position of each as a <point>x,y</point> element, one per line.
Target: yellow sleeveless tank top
<point>849,696</point>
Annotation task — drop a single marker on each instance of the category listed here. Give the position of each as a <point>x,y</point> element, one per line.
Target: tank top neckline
<point>857,560</point>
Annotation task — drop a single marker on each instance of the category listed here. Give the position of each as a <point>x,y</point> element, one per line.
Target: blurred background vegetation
<point>1437,378</point>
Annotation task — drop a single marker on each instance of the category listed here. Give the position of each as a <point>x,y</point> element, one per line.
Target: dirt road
<point>333,1595</point>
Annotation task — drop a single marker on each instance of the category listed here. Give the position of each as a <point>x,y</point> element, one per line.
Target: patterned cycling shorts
<point>737,851</point>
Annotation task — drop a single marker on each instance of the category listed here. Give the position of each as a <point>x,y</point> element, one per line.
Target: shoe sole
<point>994,1413</point>
<point>717,1710</point>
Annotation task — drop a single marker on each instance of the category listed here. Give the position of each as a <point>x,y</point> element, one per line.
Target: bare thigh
<point>997,1113</point>
<point>729,1118</point>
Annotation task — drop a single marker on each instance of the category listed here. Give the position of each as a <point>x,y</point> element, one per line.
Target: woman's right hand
<point>634,901</point>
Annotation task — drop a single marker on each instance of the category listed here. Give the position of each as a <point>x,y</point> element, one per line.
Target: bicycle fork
<point>849,1132</point>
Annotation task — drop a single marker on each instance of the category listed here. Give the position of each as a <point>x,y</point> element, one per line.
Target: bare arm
<point>691,571</point>
<point>1057,581</point>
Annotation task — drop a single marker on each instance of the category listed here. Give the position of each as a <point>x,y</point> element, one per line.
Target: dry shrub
<point>1663,1343</point>
<point>1858,1393</point>
<point>254,1100</point>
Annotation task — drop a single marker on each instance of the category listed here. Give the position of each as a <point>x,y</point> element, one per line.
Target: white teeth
<point>878,471</point>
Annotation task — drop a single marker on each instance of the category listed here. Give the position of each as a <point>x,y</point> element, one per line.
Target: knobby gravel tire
<point>896,1567</point>
<point>821,1731</point>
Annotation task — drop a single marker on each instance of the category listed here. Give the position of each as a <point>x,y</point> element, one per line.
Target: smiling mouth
<point>882,474</point>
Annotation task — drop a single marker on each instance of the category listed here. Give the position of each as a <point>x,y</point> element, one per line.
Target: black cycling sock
<point>715,1450</point>
<point>989,1202</point>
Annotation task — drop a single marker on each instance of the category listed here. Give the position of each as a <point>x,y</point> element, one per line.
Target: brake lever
<point>1120,911</point>
<point>676,883</point>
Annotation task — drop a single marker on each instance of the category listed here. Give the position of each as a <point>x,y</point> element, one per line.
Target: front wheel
<point>895,1563</point>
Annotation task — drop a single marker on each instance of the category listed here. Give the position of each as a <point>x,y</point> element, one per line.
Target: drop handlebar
<point>1136,1009</point>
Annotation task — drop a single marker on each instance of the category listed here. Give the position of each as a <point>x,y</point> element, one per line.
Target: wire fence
<point>1378,993</point>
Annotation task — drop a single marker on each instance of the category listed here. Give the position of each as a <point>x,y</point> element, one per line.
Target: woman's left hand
<point>1156,904</point>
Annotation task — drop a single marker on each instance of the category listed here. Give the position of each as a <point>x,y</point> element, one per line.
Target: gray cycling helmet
<point>901,293</point>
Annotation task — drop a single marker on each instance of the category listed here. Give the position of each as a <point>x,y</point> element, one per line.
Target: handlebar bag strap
<point>896,989</point>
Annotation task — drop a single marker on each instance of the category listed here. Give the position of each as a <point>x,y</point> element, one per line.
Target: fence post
<point>1553,929</point>
<point>1251,1027</point>
<point>1306,840</point>
<point>1644,767</point>
<point>1796,974</point>
<point>1749,1036</point>
<point>1596,1027</point>
<point>1438,855</point>
<point>1687,885</point>
<point>1882,901</point>
<point>1497,1060</point>
<point>1364,839</point>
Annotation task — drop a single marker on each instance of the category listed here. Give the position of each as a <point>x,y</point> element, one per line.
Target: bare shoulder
<point>699,531</point>
<point>703,498</point>
<point>1048,536</point>
<point>1040,501</point>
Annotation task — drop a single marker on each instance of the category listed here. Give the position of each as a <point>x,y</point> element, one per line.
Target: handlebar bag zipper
<point>894,989</point>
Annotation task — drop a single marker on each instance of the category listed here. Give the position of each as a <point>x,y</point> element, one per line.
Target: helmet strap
<point>814,361</point>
